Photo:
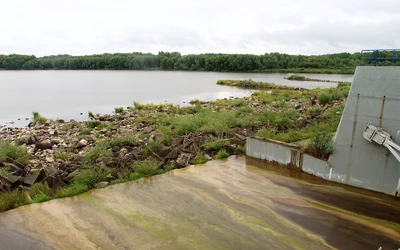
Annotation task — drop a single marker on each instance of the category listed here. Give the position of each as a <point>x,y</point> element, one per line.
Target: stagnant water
<point>240,203</point>
<point>67,94</point>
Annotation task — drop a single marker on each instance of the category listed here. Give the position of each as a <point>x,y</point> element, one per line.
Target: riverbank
<point>72,157</point>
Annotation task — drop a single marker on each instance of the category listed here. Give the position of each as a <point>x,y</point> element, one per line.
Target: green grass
<point>325,98</point>
<point>9,200</point>
<point>38,118</point>
<point>222,154</point>
<point>12,153</point>
<point>101,149</point>
<point>118,110</point>
<point>72,190</point>
<point>5,170</point>
<point>252,84</point>
<point>146,167</point>
<point>39,191</point>
<point>199,159</point>
<point>93,124</point>
<point>215,143</point>
<point>89,177</point>
<point>320,145</point>
<point>86,131</point>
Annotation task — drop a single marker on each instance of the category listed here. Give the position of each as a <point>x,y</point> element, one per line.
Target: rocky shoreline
<point>152,139</point>
<point>57,148</point>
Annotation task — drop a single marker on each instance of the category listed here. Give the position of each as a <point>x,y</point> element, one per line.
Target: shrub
<point>239,103</point>
<point>10,152</point>
<point>39,190</point>
<point>9,200</point>
<point>199,159</point>
<point>324,98</point>
<point>197,102</point>
<point>222,154</point>
<point>38,118</point>
<point>93,124</point>
<point>146,167</point>
<point>321,144</point>
<point>97,153</point>
<point>215,143</point>
<point>169,167</point>
<point>123,140</point>
<point>89,177</point>
<point>118,110</point>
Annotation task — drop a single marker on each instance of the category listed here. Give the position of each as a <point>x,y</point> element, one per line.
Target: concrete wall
<point>280,152</point>
<point>374,97</point>
<point>287,154</point>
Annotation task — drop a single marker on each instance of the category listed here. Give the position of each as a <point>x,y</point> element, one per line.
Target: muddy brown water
<point>239,203</point>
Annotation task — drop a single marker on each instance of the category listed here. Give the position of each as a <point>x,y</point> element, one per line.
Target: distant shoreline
<point>298,71</point>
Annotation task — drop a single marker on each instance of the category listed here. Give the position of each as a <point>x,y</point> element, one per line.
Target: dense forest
<point>269,62</point>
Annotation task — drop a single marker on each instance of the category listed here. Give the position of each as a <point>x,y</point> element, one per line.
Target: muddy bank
<point>238,203</point>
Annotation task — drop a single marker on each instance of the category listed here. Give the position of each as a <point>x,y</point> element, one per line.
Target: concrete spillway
<point>374,98</point>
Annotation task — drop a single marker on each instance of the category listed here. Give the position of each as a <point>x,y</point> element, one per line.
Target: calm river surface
<point>66,94</point>
<point>240,203</point>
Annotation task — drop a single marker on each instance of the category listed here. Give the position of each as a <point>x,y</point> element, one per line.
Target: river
<point>239,203</point>
<point>67,94</point>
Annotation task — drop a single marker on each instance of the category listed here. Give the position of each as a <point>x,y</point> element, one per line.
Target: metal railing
<point>377,57</point>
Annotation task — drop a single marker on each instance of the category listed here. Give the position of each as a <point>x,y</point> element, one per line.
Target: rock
<point>55,141</point>
<point>164,151</point>
<point>209,158</point>
<point>35,178</point>
<point>183,159</point>
<point>27,139</point>
<point>53,132</point>
<point>101,184</point>
<point>45,144</point>
<point>10,181</point>
<point>172,155</point>
<point>49,159</point>
<point>82,143</point>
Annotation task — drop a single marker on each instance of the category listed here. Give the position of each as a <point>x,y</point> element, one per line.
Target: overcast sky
<point>45,27</point>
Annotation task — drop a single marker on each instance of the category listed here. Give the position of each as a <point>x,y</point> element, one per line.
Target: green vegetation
<point>9,200</point>
<point>38,118</point>
<point>62,156</point>
<point>303,78</point>
<point>222,154</point>
<point>250,84</point>
<point>86,131</point>
<point>297,78</point>
<point>341,63</point>
<point>321,144</point>
<point>118,109</point>
<point>89,177</point>
<point>102,147</point>
<point>146,167</point>
<point>215,143</point>
<point>200,158</point>
<point>325,98</point>
<point>72,190</point>
<point>12,153</point>
<point>40,192</point>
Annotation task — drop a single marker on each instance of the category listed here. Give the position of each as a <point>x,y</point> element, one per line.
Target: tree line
<point>269,62</point>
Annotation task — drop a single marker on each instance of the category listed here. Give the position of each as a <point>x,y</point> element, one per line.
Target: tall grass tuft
<point>146,167</point>
<point>10,152</point>
<point>321,145</point>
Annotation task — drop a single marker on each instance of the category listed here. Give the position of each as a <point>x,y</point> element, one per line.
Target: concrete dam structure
<point>362,157</point>
<point>374,98</point>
